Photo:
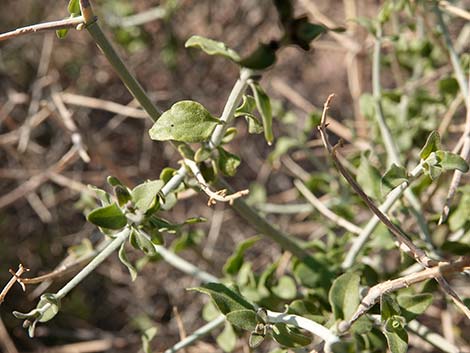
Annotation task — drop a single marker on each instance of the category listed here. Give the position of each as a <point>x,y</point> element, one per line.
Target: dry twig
<point>16,278</point>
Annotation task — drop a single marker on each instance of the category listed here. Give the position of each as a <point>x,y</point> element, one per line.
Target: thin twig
<point>12,281</point>
<point>47,26</point>
<point>325,210</point>
<point>213,195</point>
<point>374,293</point>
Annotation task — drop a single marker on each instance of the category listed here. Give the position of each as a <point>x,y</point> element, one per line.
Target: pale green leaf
<point>144,196</point>
<point>186,121</point>
<point>244,319</point>
<point>227,339</point>
<point>452,161</point>
<point>433,144</point>
<point>212,47</point>
<point>263,105</point>
<point>344,295</point>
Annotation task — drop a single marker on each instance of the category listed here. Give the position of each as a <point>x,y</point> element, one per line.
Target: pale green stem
<point>390,146</point>
<point>91,266</point>
<point>392,197</point>
<point>129,80</point>
<point>299,321</point>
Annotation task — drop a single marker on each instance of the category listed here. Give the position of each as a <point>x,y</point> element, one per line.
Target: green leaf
<point>234,262</point>
<point>255,339</point>
<point>227,340</point>
<point>144,196</point>
<point>53,309</point>
<point>388,307</point>
<point>263,57</point>
<point>74,7</point>
<point>344,295</point>
<point>433,144</point>
<point>126,262</point>
<point>122,195</point>
<point>263,105</point>
<point>368,177</point>
<point>212,47</point>
<point>227,162</point>
<point>229,135</point>
<point>285,288</point>
<point>166,174</point>
<point>414,305</point>
<point>62,33</point>
<point>244,319</point>
<point>224,298</point>
<point>290,336</point>
<point>396,335</point>
<point>147,337</point>
<point>247,106</point>
<point>304,32</point>
<point>186,121</point>
<point>254,126</point>
<point>202,154</point>
<point>113,181</point>
<point>101,195</point>
<point>394,176</point>
<point>110,217</point>
<point>142,242</point>
<point>452,161</point>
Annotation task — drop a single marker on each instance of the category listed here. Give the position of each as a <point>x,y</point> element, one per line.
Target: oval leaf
<point>225,298</point>
<point>186,121</point>
<point>244,319</point>
<point>227,162</point>
<point>227,340</point>
<point>290,336</point>
<point>263,57</point>
<point>212,47</point>
<point>110,217</point>
<point>452,161</point>
<point>344,295</point>
<point>144,195</point>
<point>125,261</point>
<point>415,304</point>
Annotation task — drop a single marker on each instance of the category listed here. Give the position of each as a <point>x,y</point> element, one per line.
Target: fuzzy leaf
<point>224,298</point>
<point>244,319</point>
<point>415,304</point>
<point>344,295</point>
<point>433,144</point>
<point>145,195</point>
<point>186,121</point>
<point>396,335</point>
<point>290,336</point>
<point>227,162</point>
<point>110,217</point>
<point>452,161</point>
<point>255,339</point>
<point>212,47</point>
<point>263,105</point>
